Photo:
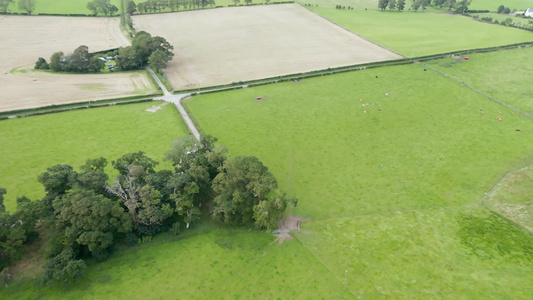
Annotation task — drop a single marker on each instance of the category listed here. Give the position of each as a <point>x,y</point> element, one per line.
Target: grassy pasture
<point>492,5</point>
<point>435,146</point>
<point>503,75</point>
<point>33,144</point>
<point>222,264</point>
<point>60,7</point>
<point>450,253</point>
<point>511,197</point>
<point>410,34</point>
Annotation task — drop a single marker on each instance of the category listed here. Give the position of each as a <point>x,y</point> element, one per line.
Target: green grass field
<point>496,73</point>
<point>409,34</point>
<point>512,198</point>
<point>402,230</point>
<point>389,164</point>
<point>448,253</point>
<point>435,147</point>
<point>222,264</point>
<point>33,144</point>
<point>492,5</point>
<point>59,7</point>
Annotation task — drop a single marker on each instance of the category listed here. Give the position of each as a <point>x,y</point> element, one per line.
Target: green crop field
<point>496,73</point>
<point>33,144</point>
<point>409,34</point>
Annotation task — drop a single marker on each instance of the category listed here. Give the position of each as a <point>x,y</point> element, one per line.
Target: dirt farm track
<point>226,45</point>
<point>24,39</point>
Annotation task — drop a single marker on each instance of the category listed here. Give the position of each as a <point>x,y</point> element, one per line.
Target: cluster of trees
<point>343,7</point>
<point>391,4</point>
<point>145,49</point>
<point>102,6</point>
<point>153,6</point>
<point>26,5</point>
<point>85,216</point>
<point>503,10</point>
<point>81,61</point>
<point>457,6</point>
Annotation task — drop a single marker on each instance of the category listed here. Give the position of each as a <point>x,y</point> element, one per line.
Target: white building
<point>529,13</point>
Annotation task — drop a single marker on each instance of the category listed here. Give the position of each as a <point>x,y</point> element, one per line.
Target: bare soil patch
<point>288,223</point>
<point>228,45</point>
<point>24,39</point>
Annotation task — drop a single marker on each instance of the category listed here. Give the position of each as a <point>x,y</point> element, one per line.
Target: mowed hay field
<point>25,39</point>
<point>33,144</point>
<point>392,193</point>
<point>228,45</point>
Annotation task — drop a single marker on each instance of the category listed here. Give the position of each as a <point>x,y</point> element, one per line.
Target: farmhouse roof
<point>529,12</point>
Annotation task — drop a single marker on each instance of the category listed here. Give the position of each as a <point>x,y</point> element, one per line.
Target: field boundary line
<point>479,92</point>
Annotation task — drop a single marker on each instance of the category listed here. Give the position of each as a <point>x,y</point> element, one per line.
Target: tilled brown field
<point>235,44</point>
<point>24,39</point>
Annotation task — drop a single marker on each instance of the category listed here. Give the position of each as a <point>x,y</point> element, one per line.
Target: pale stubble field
<point>226,45</point>
<point>24,39</point>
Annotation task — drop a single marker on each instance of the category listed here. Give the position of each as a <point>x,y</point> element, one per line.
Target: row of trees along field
<point>25,5</point>
<point>153,6</point>
<point>145,49</point>
<point>457,6</point>
<point>102,6</point>
<point>85,217</point>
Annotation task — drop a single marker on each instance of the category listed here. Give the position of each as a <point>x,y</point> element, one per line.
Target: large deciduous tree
<point>131,7</point>
<point>138,187</point>
<point>242,193</point>
<point>4,4</point>
<point>382,4</point>
<point>196,163</point>
<point>400,5</point>
<point>91,220</point>
<point>27,5</point>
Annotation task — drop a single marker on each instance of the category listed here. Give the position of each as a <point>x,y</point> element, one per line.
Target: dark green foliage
<point>382,4</point>
<point>506,10</point>
<point>102,6</point>
<point>27,5</point>
<point>490,236</point>
<point>127,59</point>
<point>462,6</point>
<point>243,193</point>
<point>55,61</point>
<point>158,60</point>
<point>16,229</point>
<point>89,219</point>
<point>64,268</point>
<point>400,5</point>
<point>500,9</point>
<point>41,64</point>
<point>131,7</point>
